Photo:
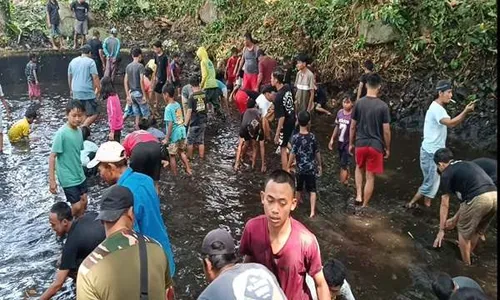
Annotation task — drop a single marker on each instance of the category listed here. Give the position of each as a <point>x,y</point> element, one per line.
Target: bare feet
<point>312,215</point>
<point>263,169</point>
<point>165,163</point>
<point>411,205</point>
<point>427,202</point>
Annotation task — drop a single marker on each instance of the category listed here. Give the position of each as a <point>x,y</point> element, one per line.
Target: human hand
<point>320,170</point>
<point>53,187</point>
<point>439,239</point>
<point>277,139</point>
<point>351,149</point>
<point>330,145</point>
<point>387,153</point>
<point>36,82</point>
<point>451,223</point>
<point>470,107</point>
<point>129,100</point>
<point>111,136</point>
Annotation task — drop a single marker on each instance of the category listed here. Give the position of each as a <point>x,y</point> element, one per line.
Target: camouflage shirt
<point>112,270</point>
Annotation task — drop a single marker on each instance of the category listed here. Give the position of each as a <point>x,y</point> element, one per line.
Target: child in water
<point>6,107</point>
<point>114,109</point>
<point>32,78</point>
<point>21,129</point>
<point>88,152</point>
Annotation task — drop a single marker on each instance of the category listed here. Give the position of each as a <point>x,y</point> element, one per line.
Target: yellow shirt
<point>19,130</point>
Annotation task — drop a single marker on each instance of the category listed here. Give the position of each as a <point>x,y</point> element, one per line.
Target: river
<point>388,252</point>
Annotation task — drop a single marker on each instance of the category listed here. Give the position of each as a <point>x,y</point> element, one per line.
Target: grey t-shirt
<point>370,114</point>
<point>244,281</point>
<point>464,282</point>
<point>186,92</point>
<point>134,71</point>
<point>251,63</point>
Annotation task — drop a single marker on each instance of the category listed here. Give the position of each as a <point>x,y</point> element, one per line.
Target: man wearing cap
<point>83,235</point>
<point>231,280</point>
<point>114,270</point>
<point>84,83</point>
<point>112,162</point>
<point>437,121</point>
<point>111,48</point>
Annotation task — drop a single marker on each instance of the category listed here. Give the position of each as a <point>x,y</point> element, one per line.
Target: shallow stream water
<point>388,252</point>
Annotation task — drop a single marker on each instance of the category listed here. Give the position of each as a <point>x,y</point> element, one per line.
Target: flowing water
<point>388,252</point>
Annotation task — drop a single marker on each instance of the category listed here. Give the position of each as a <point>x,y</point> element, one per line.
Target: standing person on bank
<point>80,9</point>
<point>368,68</point>
<point>54,24</point>
<point>250,64</point>
<point>111,48</point>
<point>135,87</point>
<point>436,124</point>
<point>370,133</point>
<point>160,73</point>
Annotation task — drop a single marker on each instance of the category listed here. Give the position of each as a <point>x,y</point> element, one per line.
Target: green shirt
<point>112,270</point>
<point>67,144</point>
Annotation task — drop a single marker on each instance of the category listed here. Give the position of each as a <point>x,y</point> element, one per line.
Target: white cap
<point>109,152</point>
<point>113,30</point>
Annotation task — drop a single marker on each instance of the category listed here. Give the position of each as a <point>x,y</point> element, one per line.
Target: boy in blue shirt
<point>176,131</point>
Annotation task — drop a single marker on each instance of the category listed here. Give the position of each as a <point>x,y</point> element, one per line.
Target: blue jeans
<point>430,186</point>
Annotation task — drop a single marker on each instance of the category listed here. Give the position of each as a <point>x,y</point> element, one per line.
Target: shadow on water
<point>388,252</point>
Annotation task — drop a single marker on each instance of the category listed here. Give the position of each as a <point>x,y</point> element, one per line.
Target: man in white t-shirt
<point>436,124</point>
<point>6,107</point>
<point>266,108</point>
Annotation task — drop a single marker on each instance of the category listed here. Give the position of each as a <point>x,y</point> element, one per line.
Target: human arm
<point>318,160</point>
<point>105,47</point>
<point>188,116</point>
<point>70,79</point>
<point>169,132</point>
<point>312,89</point>
<point>238,153</point>
<point>262,147</point>
<point>35,75</point>
<point>143,87</point>
<point>352,136</point>
<point>240,64</point>
<point>52,173</point>
<point>387,139</point>
<point>443,215</point>
<point>260,76</point>
<point>281,121</point>
<point>102,57</point>
<point>334,136</point>
<point>127,90</point>
<point>56,285</point>
<point>97,83</point>
<point>291,159</point>
<point>48,15</point>
<point>360,87</point>
<point>450,123</point>
<point>5,105</point>
<point>322,289</point>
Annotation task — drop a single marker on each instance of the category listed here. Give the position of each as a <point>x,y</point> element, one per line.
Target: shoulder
<point>256,222</point>
<point>306,236</point>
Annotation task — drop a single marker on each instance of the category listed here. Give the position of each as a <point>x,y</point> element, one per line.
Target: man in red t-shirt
<point>144,153</point>
<point>230,66</point>
<point>282,244</point>
<point>241,99</point>
<point>266,69</point>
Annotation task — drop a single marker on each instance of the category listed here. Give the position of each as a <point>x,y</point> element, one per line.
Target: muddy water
<point>387,252</point>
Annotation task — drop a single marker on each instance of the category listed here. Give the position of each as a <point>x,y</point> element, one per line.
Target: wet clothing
<point>284,107</point>
<point>306,180</point>
<point>434,132</point>
<point>430,185</point>
<point>31,68</point>
<point>231,65</point>
<point>161,72</point>
<point>370,158</point>
<point>173,114</point>
<point>88,148</point>
<point>67,144</point>
<point>475,216</point>
<point>115,113</point>
<point>82,70</point>
<point>85,234</point>
<point>134,138</point>
<point>266,68</point>
<point>489,166</point>
<point>251,128</point>
<point>250,82</point>
<point>19,130</point>
<point>134,72</point>
<point>241,99</point>
<point>160,135</point>
<point>196,135</point>
<point>146,159</point>
<point>305,84</point>
<point>53,11</point>
<point>300,255</point>
<point>34,90</point>
<point>263,105</point>
<point>95,46</point>
<point>198,105</point>
<point>74,193</point>
<point>370,114</point>
<point>251,65</point>
<point>305,147</point>
<point>343,121</point>
<point>208,80</point>
<point>148,219</point>
<point>112,270</point>
<point>244,281</point>
<point>81,10</point>
<point>465,179</point>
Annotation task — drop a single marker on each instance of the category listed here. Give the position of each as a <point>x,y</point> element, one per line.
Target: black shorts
<point>164,152</point>
<point>91,107</point>
<point>212,95</point>
<point>146,159</point>
<point>117,136</point>
<point>309,180</point>
<point>159,87</point>
<point>345,158</point>
<point>244,134</point>
<point>286,134</point>
<point>74,193</point>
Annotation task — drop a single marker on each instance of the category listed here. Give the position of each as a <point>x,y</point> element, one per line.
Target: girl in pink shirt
<point>114,109</point>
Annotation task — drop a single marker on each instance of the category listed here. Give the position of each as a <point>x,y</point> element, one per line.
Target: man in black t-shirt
<point>196,118</point>
<point>80,9</point>
<point>370,135</point>
<point>489,166</point>
<point>83,236</point>
<point>368,68</point>
<point>97,52</point>
<point>160,77</point>
<point>251,133</point>
<point>54,24</point>
<point>477,195</point>
<point>284,111</point>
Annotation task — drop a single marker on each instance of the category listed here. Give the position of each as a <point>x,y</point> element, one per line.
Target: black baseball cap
<point>221,236</point>
<point>115,201</point>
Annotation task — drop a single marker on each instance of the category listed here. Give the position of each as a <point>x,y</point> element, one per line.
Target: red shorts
<point>371,159</point>
<point>34,90</point>
<point>250,82</point>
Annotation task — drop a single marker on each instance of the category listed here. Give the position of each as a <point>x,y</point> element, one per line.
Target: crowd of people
<point>124,249</point>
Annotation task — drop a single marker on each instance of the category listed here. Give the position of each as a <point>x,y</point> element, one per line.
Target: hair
<point>334,272</point>
<point>148,72</point>
<point>158,44</point>
<point>74,104</point>
<point>304,117</point>
<point>30,113</point>
<point>443,155</point>
<point>373,80</point>
<point>467,293</point>
<point>261,52</point>
<point>349,95</point>
<point>279,75</point>
<point>234,50</point>
<point>219,261</point>
<point>136,52</point>
<point>119,164</point>
<point>62,210</point>
<point>368,64</point>
<point>251,102</point>
<point>144,124</point>
<point>303,58</point>
<point>107,87</point>
<point>443,286</point>
<point>268,89</point>
<point>249,37</point>
<point>281,176</point>
<point>176,55</point>
<point>194,81</point>
<point>168,89</point>
<point>96,33</point>
<point>85,132</point>
<point>32,56</point>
